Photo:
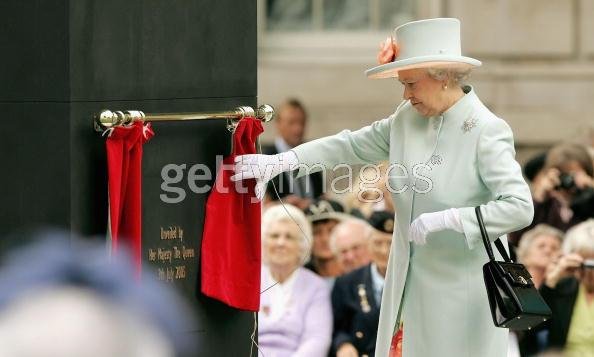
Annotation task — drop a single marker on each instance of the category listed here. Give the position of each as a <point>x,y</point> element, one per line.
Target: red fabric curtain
<point>124,166</point>
<point>230,262</point>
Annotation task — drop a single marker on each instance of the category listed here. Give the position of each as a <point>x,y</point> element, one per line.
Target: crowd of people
<point>325,258</point>
<point>324,261</point>
<point>322,296</point>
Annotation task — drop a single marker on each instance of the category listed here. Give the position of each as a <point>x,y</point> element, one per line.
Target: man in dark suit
<point>291,121</point>
<point>356,296</point>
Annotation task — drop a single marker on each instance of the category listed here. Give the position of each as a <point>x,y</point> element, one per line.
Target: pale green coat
<point>469,159</point>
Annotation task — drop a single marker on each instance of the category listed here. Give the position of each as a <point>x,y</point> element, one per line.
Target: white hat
<point>426,43</point>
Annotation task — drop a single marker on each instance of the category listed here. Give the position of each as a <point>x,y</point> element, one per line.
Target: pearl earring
<point>445,86</point>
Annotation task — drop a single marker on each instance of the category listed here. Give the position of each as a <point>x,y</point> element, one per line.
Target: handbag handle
<point>498,243</point>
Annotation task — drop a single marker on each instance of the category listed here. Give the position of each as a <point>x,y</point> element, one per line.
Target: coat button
<point>359,334</point>
<point>364,355</point>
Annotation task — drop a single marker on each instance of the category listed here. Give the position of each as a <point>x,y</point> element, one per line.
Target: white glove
<point>263,168</point>
<point>433,222</point>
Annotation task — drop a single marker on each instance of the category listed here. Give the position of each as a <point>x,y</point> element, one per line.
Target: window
<point>337,15</point>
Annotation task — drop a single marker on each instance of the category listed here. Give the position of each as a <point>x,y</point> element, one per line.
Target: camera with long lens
<point>582,203</point>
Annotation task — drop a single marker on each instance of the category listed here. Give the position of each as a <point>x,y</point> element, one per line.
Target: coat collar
<point>463,106</point>
<point>461,115</point>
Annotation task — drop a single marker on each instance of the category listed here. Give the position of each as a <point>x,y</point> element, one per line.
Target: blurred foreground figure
<point>63,297</point>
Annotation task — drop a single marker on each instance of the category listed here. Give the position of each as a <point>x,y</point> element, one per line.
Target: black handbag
<point>514,300</point>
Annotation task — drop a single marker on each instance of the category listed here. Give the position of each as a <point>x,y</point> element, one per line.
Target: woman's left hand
<point>433,222</point>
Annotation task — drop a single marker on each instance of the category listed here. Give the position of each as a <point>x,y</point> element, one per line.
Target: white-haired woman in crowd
<point>569,291</point>
<point>537,250</point>
<point>449,153</point>
<point>295,317</point>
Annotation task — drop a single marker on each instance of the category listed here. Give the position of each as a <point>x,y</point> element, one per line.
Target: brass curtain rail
<point>107,119</point>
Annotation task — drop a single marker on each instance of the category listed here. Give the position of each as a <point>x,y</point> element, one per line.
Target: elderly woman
<point>537,250</point>
<point>448,153</point>
<point>569,291</point>
<point>295,317</point>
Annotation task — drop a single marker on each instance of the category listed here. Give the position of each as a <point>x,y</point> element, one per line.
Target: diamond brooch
<point>469,124</point>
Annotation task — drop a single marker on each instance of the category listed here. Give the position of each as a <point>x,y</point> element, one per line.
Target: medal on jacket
<point>363,298</point>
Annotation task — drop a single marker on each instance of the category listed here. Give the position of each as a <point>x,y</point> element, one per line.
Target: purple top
<point>305,328</point>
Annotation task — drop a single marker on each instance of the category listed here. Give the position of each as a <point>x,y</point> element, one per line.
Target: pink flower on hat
<point>388,51</point>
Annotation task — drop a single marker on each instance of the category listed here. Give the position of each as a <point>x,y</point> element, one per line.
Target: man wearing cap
<point>324,216</point>
<point>448,154</point>
<point>356,296</point>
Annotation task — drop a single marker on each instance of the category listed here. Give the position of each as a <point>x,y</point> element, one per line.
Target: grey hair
<point>454,76</point>
<point>580,238</point>
<point>529,237</point>
<point>346,226</point>
<point>290,213</point>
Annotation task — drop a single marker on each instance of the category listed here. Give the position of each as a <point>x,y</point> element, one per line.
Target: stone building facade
<point>537,73</point>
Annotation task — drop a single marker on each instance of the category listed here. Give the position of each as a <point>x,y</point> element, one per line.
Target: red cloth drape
<point>230,262</point>
<point>124,168</point>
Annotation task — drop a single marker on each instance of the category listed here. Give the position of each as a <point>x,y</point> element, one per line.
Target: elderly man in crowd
<point>357,295</point>
<point>349,242</point>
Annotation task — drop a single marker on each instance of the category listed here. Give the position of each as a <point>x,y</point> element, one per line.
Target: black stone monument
<point>64,60</point>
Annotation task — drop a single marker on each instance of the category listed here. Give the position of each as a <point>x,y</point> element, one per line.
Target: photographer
<point>569,291</point>
<point>563,193</point>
